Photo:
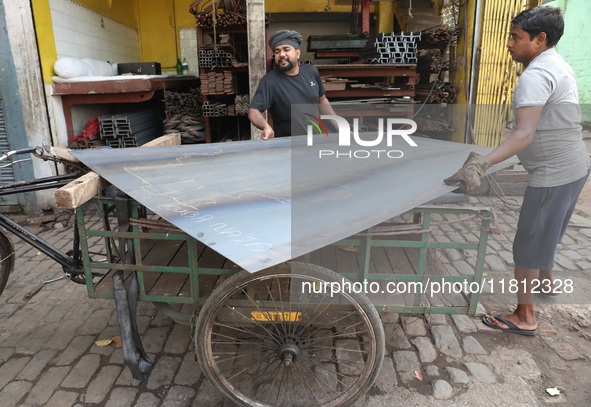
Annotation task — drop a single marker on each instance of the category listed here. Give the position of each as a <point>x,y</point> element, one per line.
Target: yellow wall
<point>122,11</point>
<point>45,39</point>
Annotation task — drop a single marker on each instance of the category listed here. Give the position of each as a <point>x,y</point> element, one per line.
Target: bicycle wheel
<point>265,339</point>
<point>6,258</point>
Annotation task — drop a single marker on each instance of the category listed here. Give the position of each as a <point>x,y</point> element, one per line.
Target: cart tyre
<point>6,258</point>
<point>244,388</point>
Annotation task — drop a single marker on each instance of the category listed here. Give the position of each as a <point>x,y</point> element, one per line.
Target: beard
<point>285,68</point>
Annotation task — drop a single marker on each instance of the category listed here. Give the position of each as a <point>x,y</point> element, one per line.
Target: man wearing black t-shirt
<point>286,85</point>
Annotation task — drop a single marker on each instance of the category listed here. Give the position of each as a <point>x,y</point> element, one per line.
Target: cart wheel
<point>262,340</point>
<point>6,258</point>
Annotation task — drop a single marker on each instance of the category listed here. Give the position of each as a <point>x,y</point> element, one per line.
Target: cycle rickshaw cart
<point>266,335</point>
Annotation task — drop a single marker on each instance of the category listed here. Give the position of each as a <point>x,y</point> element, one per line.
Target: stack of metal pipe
<point>392,49</point>
<point>215,59</point>
<point>130,129</point>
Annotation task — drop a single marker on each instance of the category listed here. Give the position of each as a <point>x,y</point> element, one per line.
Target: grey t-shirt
<point>557,155</point>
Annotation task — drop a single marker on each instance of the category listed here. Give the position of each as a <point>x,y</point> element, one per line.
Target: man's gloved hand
<point>469,175</point>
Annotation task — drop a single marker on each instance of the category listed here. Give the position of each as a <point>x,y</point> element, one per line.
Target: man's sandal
<point>514,329</point>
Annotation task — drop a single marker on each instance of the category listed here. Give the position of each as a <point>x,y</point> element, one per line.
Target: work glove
<point>469,175</point>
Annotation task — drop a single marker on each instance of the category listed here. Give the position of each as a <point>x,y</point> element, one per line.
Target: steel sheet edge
<point>260,203</point>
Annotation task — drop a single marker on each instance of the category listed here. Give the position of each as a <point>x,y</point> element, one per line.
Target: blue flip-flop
<point>514,329</point>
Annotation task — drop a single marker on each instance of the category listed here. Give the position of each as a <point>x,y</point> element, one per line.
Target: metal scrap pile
<point>443,92</point>
<point>432,60</point>
<point>191,129</point>
<point>183,103</point>
<point>392,49</point>
<point>437,36</point>
<point>131,129</point>
<point>230,14</point>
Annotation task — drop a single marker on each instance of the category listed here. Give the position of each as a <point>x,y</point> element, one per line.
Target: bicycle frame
<point>70,264</point>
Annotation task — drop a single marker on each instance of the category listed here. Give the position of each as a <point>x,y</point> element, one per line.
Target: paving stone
<point>83,309</point>
<point>36,365</point>
<point>469,253</point>
<point>161,320</point>
<point>571,254</point>
<point>473,347</point>
<point>147,400</point>
<point>584,265</point>
<point>100,386</point>
<point>463,323</point>
<point>387,377</point>
<point>11,369</point>
<point>62,399</point>
<point>463,268</point>
<point>480,372</point>
<point>75,349</point>
<point>97,322</point>
<point>389,317</point>
<point>47,384</point>
<point>414,326</point>
<point>395,336</point>
<point>494,245</point>
<point>406,365</point>
<point>436,319</point>
<point>121,397</point>
<point>565,262</point>
<point>494,263</point>
<point>189,372</point>
<point>583,252</point>
<point>178,396</point>
<point>480,311</point>
<point>82,372</point>
<point>34,341</point>
<point>126,379</point>
<point>564,350</point>
<point>207,396</point>
<point>457,376</point>
<point>60,310</point>
<point>452,254</point>
<point>432,370</point>
<point>446,341</point>
<point>116,357</point>
<point>154,339</point>
<point>163,372</point>
<point>147,308</point>
<point>13,392</point>
<point>179,339</point>
<point>442,390</point>
<point>427,351</point>
<point>472,261</point>
<point>507,256</point>
<point>64,335</point>
<point>5,354</point>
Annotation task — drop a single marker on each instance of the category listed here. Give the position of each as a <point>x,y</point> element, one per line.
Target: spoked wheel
<point>265,339</point>
<point>6,258</point>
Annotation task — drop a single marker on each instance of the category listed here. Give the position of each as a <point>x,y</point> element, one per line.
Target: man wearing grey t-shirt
<point>547,139</point>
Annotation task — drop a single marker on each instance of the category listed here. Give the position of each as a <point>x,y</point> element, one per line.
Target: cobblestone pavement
<point>48,355</point>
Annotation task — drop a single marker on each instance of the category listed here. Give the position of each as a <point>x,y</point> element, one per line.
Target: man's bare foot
<point>528,323</point>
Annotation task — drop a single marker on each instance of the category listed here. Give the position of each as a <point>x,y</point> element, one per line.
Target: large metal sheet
<point>260,203</point>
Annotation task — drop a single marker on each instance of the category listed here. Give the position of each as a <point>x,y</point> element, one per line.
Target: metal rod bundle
<point>443,92</point>
<point>183,103</point>
<point>392,49</point>
<point>130,129</point>
<point>436,36</point>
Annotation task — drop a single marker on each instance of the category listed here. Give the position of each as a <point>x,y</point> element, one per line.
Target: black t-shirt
<point>278,92</point>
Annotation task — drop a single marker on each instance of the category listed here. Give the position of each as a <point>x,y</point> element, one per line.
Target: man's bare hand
<point>268,133</point>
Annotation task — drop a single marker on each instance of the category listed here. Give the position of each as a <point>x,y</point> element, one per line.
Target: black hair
<point>544,19</point>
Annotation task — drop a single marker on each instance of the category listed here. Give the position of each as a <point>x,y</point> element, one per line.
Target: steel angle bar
<point>258,218</point>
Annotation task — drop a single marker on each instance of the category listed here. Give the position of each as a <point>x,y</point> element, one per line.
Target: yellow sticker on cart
<point>277,316</point>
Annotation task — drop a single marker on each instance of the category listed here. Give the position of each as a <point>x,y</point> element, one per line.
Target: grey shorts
<point>543,219</point>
